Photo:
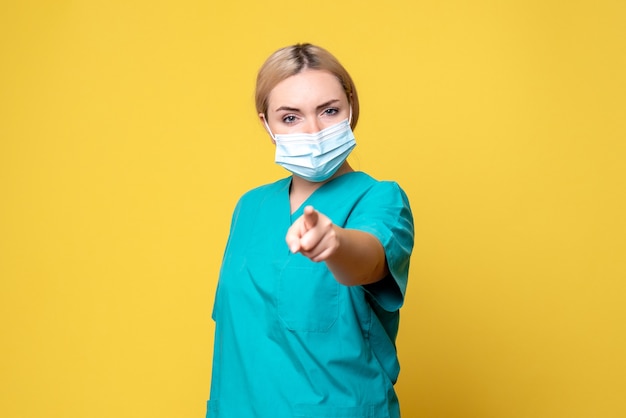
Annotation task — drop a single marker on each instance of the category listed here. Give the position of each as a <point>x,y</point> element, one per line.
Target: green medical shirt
<point>290,341</point>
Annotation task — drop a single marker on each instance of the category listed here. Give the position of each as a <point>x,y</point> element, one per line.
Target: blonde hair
<point>294,59</point>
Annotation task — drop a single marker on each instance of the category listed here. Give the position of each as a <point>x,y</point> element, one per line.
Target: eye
<point>331,111</point>
<point>289,119</point>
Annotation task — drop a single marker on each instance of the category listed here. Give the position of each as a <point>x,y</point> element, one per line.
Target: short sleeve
<point>384,212</point>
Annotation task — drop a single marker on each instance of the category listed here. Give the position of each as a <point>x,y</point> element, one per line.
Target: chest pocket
<point>308,295</point>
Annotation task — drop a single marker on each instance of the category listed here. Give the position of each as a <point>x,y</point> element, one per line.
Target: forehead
<point>309,87</point>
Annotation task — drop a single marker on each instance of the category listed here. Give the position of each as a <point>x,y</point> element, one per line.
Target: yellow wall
<point>128,132</point>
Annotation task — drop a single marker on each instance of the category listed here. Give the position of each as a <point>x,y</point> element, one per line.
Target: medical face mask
<point>315,157</point>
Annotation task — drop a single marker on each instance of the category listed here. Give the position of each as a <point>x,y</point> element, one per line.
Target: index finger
<point>310,217</point>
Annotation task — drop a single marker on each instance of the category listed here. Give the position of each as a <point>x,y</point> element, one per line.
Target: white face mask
<point>315,157</point>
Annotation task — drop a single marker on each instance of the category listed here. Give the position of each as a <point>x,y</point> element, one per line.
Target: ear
<point>266,126</point>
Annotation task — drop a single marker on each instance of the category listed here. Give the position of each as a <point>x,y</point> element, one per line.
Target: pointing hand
<point>313,235</point>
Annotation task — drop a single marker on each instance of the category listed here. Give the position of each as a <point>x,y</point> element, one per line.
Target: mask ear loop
<point>270,131</point>
<point>350,118</point>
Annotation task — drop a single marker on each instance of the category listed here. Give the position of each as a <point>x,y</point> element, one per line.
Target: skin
<point>308,102</point>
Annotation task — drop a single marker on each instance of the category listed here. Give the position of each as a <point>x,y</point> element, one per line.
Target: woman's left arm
<point>354,257</point>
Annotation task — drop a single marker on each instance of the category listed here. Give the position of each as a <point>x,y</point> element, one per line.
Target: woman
<point>316,264</point>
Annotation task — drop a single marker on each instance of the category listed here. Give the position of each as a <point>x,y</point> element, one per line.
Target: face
<point>306,103</point>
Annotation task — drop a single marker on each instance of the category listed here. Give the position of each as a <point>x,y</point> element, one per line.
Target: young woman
<point>316,264</point>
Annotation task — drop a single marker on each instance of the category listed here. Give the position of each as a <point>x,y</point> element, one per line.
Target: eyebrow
<point>295,109</point>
